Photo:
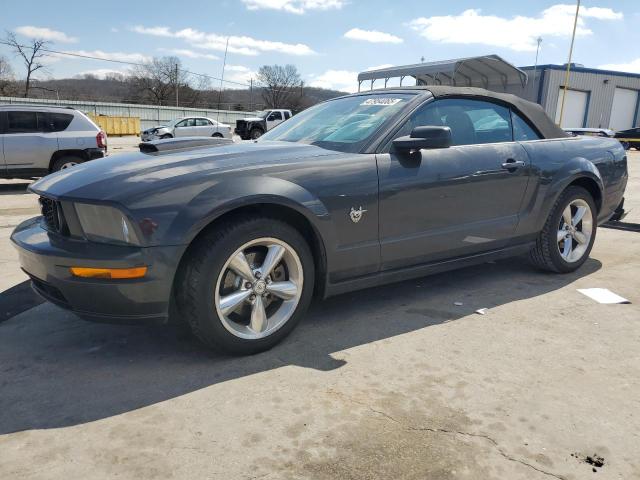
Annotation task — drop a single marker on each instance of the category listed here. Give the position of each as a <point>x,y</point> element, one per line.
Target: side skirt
<point>399,275</point>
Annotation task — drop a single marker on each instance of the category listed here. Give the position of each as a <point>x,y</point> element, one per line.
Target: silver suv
<point>38,140</point>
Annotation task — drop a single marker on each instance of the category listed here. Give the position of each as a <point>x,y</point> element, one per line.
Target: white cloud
<point>242,45</point>
<point>239,74</point>
<point>372,36</point>
<point>102,72</point>
<point>343,80</point>
<point>45,33</point>
<point>633,66</point>
<point>293,6</point>
<point>121,56</point>
<point>517,33</point>
<point>184,52</point>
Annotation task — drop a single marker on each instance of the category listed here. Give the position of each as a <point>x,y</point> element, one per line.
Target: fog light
<point>109,273</point>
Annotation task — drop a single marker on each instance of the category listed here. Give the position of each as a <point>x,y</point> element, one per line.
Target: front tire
<point>217,135</point>
<point>256,133</point>
<point>245,285</point>
<point>166,136</point>
<point>567,237</point>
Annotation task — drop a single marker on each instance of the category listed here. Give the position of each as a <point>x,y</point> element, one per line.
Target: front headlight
<point>105,224</point>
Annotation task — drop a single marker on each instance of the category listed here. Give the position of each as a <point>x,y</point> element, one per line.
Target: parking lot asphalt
<point>402,381</point>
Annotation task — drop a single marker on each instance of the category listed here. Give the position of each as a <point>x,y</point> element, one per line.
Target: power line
<point>122,62</point>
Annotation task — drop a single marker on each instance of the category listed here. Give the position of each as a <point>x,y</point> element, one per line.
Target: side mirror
<point>424,137</point>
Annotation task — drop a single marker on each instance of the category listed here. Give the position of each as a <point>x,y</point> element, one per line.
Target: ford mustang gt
<point>234,240</point>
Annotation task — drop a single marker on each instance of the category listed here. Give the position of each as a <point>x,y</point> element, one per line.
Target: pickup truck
<point>250,128</point>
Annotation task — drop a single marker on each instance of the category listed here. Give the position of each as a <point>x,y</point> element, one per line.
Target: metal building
<point>595,98</point>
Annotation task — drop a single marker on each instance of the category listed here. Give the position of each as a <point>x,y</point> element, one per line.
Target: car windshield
<point>344,124</point>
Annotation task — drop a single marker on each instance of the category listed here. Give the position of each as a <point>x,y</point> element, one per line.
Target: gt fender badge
<point>356,215</point>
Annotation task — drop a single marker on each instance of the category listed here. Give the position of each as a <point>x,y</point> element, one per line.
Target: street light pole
<point>566,77</point>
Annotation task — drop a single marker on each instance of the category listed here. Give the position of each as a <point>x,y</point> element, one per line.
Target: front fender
<point>230,194</point>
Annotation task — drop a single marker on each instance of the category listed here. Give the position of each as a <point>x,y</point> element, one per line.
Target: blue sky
<point>329,41</point>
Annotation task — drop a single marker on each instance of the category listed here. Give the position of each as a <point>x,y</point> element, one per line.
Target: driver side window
<point>471,121</point>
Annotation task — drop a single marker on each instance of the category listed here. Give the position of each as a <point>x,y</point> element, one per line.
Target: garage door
<point>623,110</point>
<point>575,108</point>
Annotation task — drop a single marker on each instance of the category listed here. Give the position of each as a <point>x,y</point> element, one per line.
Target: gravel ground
<point>392,382</point>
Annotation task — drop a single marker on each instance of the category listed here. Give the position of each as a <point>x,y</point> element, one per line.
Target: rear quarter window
<point>59,121</point>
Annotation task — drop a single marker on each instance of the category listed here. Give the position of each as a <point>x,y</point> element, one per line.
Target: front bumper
<point>46,258</point>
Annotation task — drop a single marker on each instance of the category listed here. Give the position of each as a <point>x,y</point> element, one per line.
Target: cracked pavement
<point>393,382</point>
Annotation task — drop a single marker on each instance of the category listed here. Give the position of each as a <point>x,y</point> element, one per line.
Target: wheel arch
<point>65,153</point>
<point>269,208</point>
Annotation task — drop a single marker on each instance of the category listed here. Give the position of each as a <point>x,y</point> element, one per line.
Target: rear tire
<point>207,282</point>
<point>563,247</point>
<point>65,162</point>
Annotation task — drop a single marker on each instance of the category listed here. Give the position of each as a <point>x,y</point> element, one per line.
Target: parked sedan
<point>235,240</point>
<point>188,127</point>
<point>629,138</point>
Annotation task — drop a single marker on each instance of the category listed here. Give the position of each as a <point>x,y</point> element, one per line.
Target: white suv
<point>38,140</point>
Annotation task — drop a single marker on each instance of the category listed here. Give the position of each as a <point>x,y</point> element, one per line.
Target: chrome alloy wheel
<point>575,230</point>
<point>259,288</point>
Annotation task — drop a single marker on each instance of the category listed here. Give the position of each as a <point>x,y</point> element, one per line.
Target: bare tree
<point>7,80</point>
<point>31,56</point>
<point>159,79</point>
<point>281,85</point>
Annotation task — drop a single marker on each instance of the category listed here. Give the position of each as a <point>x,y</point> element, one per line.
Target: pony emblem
<point>356,215</point>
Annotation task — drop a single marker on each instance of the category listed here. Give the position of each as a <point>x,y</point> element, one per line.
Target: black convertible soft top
<point>530,110</point>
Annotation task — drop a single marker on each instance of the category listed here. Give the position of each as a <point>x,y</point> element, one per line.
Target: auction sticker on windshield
<point>381,101</point>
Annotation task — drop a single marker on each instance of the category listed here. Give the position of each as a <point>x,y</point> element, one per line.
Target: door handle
<point>512,164</point>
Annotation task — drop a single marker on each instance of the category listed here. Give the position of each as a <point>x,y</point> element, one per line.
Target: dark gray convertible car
<point>235,240</point>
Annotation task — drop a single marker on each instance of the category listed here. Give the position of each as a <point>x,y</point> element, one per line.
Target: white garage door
<point>575,107</point>
<point>623,111</point>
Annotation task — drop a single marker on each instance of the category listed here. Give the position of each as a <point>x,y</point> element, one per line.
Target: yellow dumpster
<point>117,125</point>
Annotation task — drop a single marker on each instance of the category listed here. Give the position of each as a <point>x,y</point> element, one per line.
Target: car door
<point>185,128</point>
<point>274,119</point>
<point>29,142</point>
<point>203,127</point>
<point>3,164</point>
<point>456,201</point>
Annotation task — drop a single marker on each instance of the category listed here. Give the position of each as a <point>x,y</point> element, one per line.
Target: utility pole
<point>566,77</point>
<point>535,67</point>
<point>177,84</point>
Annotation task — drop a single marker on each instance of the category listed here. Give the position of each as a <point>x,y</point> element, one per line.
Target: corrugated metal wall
<point>600,93</point>
<point>149,115</point>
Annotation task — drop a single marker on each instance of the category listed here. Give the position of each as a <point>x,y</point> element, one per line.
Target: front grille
<point>53,216</point>
<point>241,124</point>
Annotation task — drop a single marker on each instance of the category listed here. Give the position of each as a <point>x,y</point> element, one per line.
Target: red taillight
<point>101,139</point>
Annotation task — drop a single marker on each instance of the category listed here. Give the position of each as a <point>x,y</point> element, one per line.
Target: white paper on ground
<point>602,295</point>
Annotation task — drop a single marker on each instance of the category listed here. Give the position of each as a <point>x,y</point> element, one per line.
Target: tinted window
<point>22,122</point>
<point>59,121</point>
<point>202,122</point>
<point>470,121</point>
<point>275,116</point>
<point>522,131</point>
<point>287,115</point>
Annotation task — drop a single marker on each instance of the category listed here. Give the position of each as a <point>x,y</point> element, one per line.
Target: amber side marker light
<point>109,273</point>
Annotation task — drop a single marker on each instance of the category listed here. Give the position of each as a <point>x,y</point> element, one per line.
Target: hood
<point>122,177</point>
<point>253,119</point>
<point>157,127</point>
